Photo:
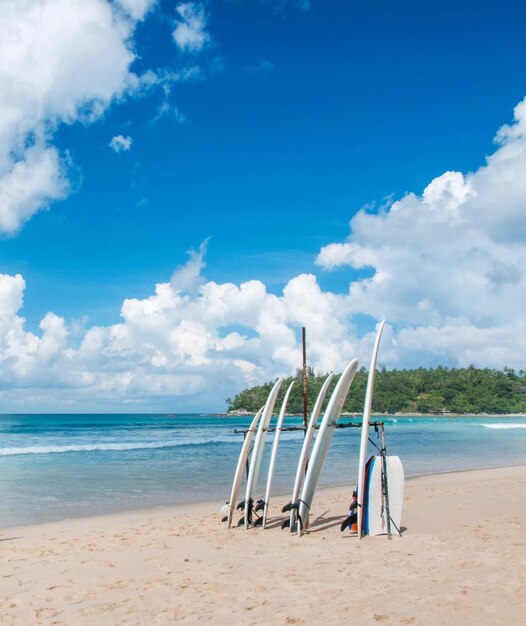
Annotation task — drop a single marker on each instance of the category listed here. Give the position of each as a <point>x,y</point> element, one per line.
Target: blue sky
<point>266,134</point>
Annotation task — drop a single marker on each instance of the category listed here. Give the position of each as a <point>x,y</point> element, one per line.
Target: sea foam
<point>108,447</point>
<point>503,426</point>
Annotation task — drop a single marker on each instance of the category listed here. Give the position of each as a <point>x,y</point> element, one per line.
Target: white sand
<point>461,560</point>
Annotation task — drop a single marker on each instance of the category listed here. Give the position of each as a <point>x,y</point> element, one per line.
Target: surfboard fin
<point>224,519</point>
<point>286,508</point>
<point>285,523</point>
<point>241,506</point>
<point>260,505</point>
<point>346,522</point>
<point>258,522</point>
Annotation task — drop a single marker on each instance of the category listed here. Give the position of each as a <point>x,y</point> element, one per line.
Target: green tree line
<point>436,390</point>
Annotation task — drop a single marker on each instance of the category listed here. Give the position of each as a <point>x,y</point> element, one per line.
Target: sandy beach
<point>461,560</point>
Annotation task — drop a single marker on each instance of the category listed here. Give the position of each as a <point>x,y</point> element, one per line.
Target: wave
<point>503,426</point>
<point>111,447</point>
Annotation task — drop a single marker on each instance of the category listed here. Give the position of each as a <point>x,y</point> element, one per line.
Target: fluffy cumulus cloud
<point>449,267</point>
<point>446,269</point>
<point>190,28</point>
<point>119,143</point>
<point>61,61</point>
<point>192,338</point>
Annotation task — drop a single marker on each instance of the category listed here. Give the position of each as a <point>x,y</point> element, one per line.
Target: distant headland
<point>435,391</point>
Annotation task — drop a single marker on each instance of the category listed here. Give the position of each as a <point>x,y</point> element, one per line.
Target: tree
<point>456,390</point>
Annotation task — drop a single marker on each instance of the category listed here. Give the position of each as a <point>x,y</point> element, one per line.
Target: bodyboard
<point>375,510</point>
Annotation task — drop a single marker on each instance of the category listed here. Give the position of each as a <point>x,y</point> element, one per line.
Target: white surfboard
<point>275,444</point>
<point>365,428</point>
<point>243,456</point>
<point>322,443</point>
<point>375,508</point>
<point>305,449</point>
<point>259,446</point>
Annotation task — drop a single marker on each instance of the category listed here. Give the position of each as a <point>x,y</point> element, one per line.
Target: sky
<point>184,185</point>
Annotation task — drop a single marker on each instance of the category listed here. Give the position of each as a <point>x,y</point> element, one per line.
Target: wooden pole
<point>304,342</point>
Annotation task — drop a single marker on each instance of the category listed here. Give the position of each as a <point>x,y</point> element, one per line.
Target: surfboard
<point>243,456</point>
<point>365,428</point>
<point>275,444</point>
<point>375,510</point>
<point>322,443</point>
<point>304,454</point>
<point>257,454</point>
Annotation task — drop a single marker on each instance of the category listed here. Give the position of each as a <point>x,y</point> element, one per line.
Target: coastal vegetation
<point>436,390</point>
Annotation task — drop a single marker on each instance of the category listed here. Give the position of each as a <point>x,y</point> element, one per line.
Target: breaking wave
<point>110,447</point>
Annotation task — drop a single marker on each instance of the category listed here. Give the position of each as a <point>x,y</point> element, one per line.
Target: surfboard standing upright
<point>365,428</point>
<point>277,434</point>
<point>243,456</point>
<point>304,454</point>
<point>323,440</point>
<point>257,454</point>
<point>377,516</point>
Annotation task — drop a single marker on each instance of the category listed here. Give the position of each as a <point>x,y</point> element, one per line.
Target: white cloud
<point>167,110</point>
<point>188,278</point>
<point>190,29</point>
<point>32,181</point>
<point>448,273</point>
<point>119,143</point>
<point>61,61</point>
<point>192,338</point>
<point>449,267</point>
<point>137,9</point>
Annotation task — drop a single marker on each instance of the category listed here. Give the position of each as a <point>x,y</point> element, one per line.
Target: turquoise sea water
<point>54,467</point>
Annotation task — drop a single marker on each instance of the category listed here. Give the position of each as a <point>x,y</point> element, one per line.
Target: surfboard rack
<point>340,425</point>
<point>288,429</point>
<point>378,427</point>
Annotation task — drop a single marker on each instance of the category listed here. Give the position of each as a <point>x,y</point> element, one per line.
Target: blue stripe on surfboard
<point>369,472</point>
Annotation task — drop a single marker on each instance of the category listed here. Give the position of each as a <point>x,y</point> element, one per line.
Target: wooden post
<point>304,342</point>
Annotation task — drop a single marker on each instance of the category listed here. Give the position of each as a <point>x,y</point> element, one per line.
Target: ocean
<point>54,467</point>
